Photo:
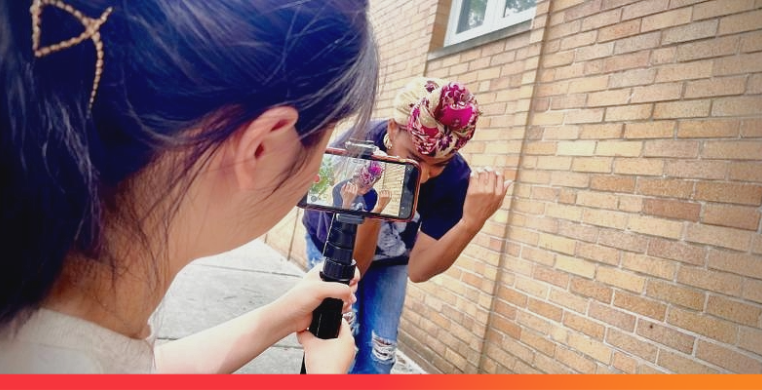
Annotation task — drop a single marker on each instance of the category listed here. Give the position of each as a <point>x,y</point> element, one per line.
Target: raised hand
<point>486,192</point>
<point>384,197</point>
<point>349,192</point>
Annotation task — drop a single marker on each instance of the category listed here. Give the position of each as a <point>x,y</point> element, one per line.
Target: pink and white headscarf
<point>369,173</point>
<point>440,116</point>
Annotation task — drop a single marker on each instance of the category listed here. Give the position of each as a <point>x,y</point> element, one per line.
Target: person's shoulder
<point>457,169</point>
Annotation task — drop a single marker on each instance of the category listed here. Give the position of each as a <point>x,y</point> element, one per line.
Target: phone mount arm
<point>338,261</point>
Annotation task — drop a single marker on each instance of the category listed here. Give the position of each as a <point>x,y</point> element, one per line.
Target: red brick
<point>717,47</point>
<point>668,188</point>
<point>584,116</point>
<point>728,359</point>
<point>729,193</point>
<point>626,61</point>
<point>617,239</point>
<point>639,166</point>
<point>657,92</point>
<point>708,129</point>
<point>667,336</point>
<point>742,264</point>
<point>578,40</point>
<point>612,316</point>
<point>721,86</point>
<point>663,20</point>
<point>737,106</point>
<point>716,8</point>
<point>584,325</point>
<point>545,309</point>
<point>685,71</point>
<point>752,290</point>
<point>705,325</point>
<point>575,360</point>
<point>643,306</point>
<point>569,101</point>
<point>632,345</point>
<point>678,295</point>
<point>608,98</point>
<point>619,30</point>
<point>613,184</point>
<point>649,265</point>
<point>672,209</point>
<point>589,84</point>
<point>752,128</point>
<point>621,279</point>
<point>742,150</point>
<point>602,19</point>
<point>738,64</point>
<point>748,172</point>
<point>670,148</point>
<point>751,340</point>
<point>682,109</point>
<point>731,216</point>
<point>690,32</point>
<point>683,364</point>
<point>746,21</point>
<point>696,169</point>
<point>619,148</point>
<point>598,253</point>
<point>738,312</point>
<point>634,77</point>
<point>637,43</point>
<point>686,253</point>
<point>659,129</point>
<point>592,164</point>
<point>593,348</point>
<point>720,282</point>
<point>591,289</point>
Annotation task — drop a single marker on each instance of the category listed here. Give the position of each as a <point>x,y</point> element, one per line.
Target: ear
<point>268,133</point>
<point>392,128</point>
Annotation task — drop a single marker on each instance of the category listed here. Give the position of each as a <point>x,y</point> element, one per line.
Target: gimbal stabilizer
<point>338,262</point>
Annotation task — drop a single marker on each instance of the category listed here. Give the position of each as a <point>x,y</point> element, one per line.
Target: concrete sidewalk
<point>212,290</point>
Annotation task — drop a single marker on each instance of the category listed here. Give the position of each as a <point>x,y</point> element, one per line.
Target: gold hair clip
<point>91,32</point>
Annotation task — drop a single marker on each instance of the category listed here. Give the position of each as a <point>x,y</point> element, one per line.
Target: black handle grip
<point>326,319</point>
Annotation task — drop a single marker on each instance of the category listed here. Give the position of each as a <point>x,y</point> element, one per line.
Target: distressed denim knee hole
<point>384,351</point>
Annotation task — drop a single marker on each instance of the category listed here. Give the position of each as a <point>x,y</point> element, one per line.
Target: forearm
<point>224,348</point>
<point>436,258</point>
<point>365,243</point>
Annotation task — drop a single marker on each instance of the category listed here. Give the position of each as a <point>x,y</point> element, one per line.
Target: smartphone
<point>373,186</point>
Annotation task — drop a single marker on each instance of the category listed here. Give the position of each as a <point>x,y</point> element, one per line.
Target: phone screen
<point>373,186</point>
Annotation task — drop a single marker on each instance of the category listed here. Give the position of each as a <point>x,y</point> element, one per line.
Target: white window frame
<point>493,20</point>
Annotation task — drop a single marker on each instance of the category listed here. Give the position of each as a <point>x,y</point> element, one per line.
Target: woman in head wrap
<point>433,119</point>
<point>358,193</point>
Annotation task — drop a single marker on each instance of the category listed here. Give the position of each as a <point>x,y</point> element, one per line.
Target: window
<point>472,18</point>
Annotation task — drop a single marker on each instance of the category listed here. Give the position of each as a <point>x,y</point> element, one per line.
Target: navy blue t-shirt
<point>361,203</point>
<point>440,207</point>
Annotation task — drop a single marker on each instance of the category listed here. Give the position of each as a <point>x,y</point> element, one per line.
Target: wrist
<point>470,226</point>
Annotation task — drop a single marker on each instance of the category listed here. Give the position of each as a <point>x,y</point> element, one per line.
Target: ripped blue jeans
<point>380,300</point>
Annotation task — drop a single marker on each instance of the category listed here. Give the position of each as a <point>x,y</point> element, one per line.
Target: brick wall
<point>631,239</point>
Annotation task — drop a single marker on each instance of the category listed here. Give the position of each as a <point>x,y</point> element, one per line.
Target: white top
<point>51,342</point>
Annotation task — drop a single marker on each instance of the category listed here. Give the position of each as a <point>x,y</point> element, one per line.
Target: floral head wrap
<point>440,116</point>
<point>369,173</point>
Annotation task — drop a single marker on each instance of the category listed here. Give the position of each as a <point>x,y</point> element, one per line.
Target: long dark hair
<point>169,66</point>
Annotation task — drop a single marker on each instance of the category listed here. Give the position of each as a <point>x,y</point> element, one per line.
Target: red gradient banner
<point>401,382</point>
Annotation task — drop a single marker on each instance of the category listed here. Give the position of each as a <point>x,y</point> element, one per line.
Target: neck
<point>121,297</point>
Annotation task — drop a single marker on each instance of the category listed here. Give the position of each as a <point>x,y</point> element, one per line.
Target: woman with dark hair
<point>136,136</point>
<point>433,119</point>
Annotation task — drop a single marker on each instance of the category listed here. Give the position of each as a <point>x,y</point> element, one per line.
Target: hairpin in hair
<point>91,32</point>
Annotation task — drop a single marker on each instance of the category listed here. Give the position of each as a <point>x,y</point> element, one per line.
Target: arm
<point>365,243</point>
<point>486,192</point>
<point>227,347</point>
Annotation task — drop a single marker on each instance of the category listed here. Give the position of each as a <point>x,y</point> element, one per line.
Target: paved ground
<point>215,289</point>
